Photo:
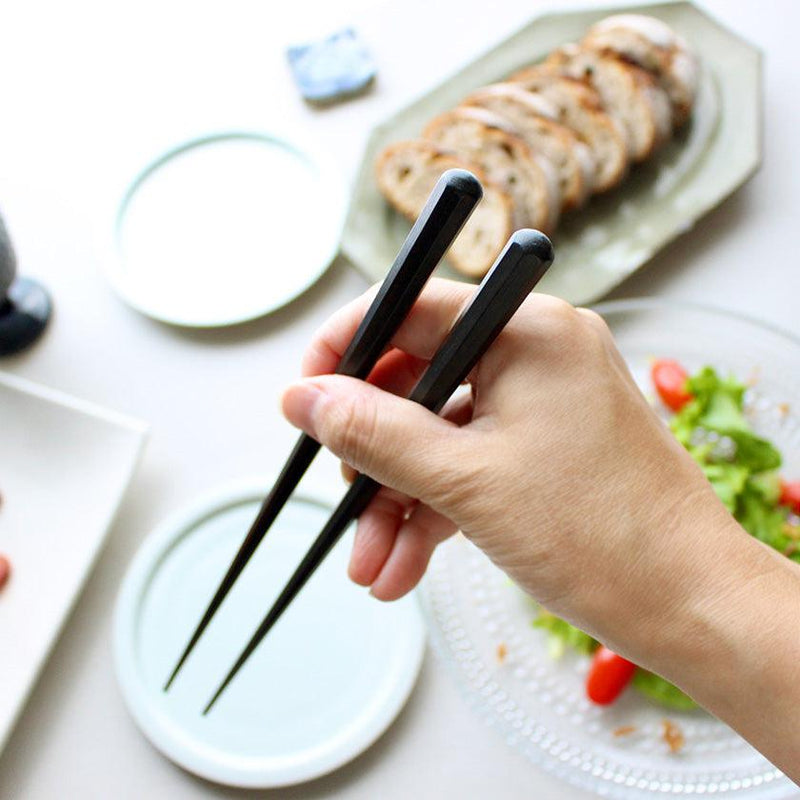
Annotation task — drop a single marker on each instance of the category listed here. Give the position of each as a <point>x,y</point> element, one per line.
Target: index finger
<point>420,334</point>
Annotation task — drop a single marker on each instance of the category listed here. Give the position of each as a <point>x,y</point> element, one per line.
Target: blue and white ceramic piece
<point>332,69</point>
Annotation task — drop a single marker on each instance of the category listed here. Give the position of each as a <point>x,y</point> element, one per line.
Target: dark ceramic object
<point>25,306</point>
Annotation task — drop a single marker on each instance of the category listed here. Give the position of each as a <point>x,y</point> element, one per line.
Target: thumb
<point>395,441</point>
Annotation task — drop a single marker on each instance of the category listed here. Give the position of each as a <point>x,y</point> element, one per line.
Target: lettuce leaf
<point>662,691</point>
<point>727,480</point>
<point>768,522</point>
<point>718,407</point>
<point>754,453</point>
<point>562,635</point>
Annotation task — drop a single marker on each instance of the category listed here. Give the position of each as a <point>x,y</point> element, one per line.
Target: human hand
<point>556,466</point>
<point>560,471</point>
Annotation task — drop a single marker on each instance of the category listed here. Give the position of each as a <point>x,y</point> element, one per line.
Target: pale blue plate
<point>326,682</point>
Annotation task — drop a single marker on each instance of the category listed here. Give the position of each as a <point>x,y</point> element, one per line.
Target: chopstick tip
<point>212,701</point>
<point>174,674</point>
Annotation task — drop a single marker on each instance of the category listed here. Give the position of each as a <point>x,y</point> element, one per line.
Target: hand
<point>555,466</point>
<point>560,471</point>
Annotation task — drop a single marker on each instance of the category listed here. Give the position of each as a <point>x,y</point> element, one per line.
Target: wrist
<point>740,655</point>
<point>656,607</point>
<point>711,621</point>
<point>673,601</point>
<point>716,614</point>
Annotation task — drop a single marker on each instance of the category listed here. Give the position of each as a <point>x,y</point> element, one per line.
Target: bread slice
<point>535,119</point>
<point>654,46</point>
<point>580,109</point>
<point>406,174</point>
<point>489,142</point>
<point>628,93</point>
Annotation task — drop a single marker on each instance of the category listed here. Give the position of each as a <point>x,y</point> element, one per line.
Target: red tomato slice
<point>790,495</point>
<point>670,378</point>
<point>608,675</point>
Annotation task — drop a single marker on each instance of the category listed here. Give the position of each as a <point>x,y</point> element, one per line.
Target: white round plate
<point>226,228</point>
<point>324,684</point>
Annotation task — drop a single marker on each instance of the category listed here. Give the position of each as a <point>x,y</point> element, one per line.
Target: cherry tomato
<point>5,571</point>
<point>608,675</point>
<point>670,378</point>
<point>790,495</point>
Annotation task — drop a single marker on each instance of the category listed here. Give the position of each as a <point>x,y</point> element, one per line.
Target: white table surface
<point>90,92</point>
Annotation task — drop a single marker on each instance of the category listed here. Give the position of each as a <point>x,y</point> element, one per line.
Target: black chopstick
<point>517,270</point>
<point>451,202</point>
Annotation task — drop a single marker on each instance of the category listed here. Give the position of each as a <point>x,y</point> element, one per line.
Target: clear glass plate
<point>538,704</point>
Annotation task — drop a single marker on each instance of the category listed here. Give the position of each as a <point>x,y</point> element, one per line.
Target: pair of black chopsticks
<point>524,260</point>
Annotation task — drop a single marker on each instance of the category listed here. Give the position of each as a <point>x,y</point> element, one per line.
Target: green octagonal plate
<point>602,244</point>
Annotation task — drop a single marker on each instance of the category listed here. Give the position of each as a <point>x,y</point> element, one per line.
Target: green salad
<point>709,421</point>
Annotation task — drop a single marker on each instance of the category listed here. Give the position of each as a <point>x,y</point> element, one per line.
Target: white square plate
<point>64,465</point>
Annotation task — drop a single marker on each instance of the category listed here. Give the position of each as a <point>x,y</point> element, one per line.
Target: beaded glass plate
<point>481,624</point>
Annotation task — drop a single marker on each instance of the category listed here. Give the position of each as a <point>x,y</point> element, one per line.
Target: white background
<point>92,91</point>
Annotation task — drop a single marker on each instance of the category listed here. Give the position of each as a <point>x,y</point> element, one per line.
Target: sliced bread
<point>406,174</point>
<point>536,120</point>
<point>488,141</point>
<point>579,108</point>
<point>654,46</point>
<point>628,93</point>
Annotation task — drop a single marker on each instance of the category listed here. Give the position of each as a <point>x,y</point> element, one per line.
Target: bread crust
<point>489,141</point>
<point>487,230</point>
<point>654,46</point>
<point>550,135</point>
<point>580,109</point>
<point>628,93</point>
<point>535,119</point>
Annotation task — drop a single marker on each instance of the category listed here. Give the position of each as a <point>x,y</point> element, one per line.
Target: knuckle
<point>548,306</point>
<point>594,321</point>
<point>551,316</point>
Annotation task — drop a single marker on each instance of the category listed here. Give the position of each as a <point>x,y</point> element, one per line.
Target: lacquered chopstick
<point>449,206</point>
<point>517,270</point>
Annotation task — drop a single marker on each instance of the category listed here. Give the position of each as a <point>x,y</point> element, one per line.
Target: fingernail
<point>300,402</point>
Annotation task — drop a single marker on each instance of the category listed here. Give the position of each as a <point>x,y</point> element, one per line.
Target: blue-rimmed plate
<point>225,228</point>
